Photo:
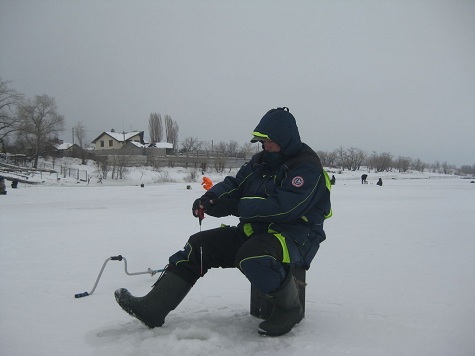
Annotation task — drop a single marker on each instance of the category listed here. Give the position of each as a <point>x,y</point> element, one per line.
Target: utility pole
<point>73,135</point>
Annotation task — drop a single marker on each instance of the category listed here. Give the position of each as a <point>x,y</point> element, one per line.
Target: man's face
<point>271,146</point>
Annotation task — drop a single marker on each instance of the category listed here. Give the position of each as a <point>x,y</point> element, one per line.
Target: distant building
<point>109,140</point>
<point>131,144</point>
<point>65,149</point>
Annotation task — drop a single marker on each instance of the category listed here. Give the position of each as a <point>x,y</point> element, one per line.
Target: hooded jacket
<point>285,193</point>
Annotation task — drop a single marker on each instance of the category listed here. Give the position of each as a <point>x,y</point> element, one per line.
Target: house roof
<point>126,136</point>
<point>64,146</point>
<point>161,145</point>
<point>119,136</point>
<point>151,145</point>
<point>136,144</point>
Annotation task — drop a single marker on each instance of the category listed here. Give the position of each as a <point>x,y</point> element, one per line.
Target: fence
<point>64,171</point>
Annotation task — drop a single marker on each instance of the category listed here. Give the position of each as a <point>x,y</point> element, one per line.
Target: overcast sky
<point>387,76</point>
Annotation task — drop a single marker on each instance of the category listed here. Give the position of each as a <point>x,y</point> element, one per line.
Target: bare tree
<point>220,147</point>
<point>323,157</point>
<point>9,100</point>
<point>206,146</point>
<point>247,147</point>
<point>172,131</point>
<point>446,168</point>
<point>328,158</point>
<point>155,127</point>
<point>351,158</point>
<point>232,148</point>
<point>402,164</point>
<point>176,129</point>
<point>332,157</point>
<point>103,168</point>
<point>356,156</point>
<point>418,165</point>
<point>80,134</point>
<point>371,160</point>
<point>120,165</point>
<point>383,162</point>
<point>467,169</point>
<point>191,144</point>
<point>39,123</point>
<point>342,157</point>
<point>168,127</point>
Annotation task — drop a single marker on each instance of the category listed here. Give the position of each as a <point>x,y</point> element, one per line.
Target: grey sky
<point>387,76</point>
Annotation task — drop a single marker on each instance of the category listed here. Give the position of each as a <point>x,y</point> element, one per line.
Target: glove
<point>223,207</point>
<point>202,203</point>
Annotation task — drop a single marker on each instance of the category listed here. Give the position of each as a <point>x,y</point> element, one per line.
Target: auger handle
<point>80,295</point>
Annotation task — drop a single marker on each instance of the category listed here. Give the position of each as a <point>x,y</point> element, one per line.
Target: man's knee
<point>259,245</point>
<point>264,272</point>
<point>260,259</point>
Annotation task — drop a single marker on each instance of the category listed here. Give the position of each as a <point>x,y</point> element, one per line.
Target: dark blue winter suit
<point>282,200</point>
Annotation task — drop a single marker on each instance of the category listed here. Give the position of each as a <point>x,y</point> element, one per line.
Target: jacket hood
<point>280,126</point>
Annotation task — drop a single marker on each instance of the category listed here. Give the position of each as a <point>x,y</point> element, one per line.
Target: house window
<point>102,143</point>
<point>111,143</point>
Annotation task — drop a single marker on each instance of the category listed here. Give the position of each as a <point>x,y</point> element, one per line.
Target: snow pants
<point>259,257</point>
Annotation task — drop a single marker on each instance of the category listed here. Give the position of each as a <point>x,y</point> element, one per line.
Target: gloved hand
<point>203,203</point>
<point>223,207</point>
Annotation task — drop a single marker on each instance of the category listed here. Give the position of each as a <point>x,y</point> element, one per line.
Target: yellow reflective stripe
<point>248,229</point>
<point>290,210</point>
<point>243,198</point>
<point>251,258</point>
<point>239,186</point>
<point>285,250</point>
<point>258,134</point>
<point>188,257</point>
<point>327,180</point>
<point>329,187</point>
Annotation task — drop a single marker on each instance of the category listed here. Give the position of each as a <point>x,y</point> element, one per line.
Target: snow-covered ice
<point>396,275</point>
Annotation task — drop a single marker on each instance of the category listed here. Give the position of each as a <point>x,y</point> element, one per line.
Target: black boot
<point>152,309</point>
<point>287,311</point>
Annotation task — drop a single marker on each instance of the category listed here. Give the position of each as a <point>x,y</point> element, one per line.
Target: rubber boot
<point>164,297</point>
<point>287,310</point>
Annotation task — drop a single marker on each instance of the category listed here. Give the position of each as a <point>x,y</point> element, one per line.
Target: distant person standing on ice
<point>282,197</point>
<point>363,178</point>
<point>380,182</point>
<point>15,183</point>
<point>3,188</point>
<point>207,183</point>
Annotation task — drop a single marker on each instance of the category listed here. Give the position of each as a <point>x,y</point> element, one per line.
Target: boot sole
<point>262,332</point>
<point>274,334</point>
<point>129,311</point>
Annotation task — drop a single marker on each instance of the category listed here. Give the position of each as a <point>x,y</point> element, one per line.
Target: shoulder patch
<point>297,181</point>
